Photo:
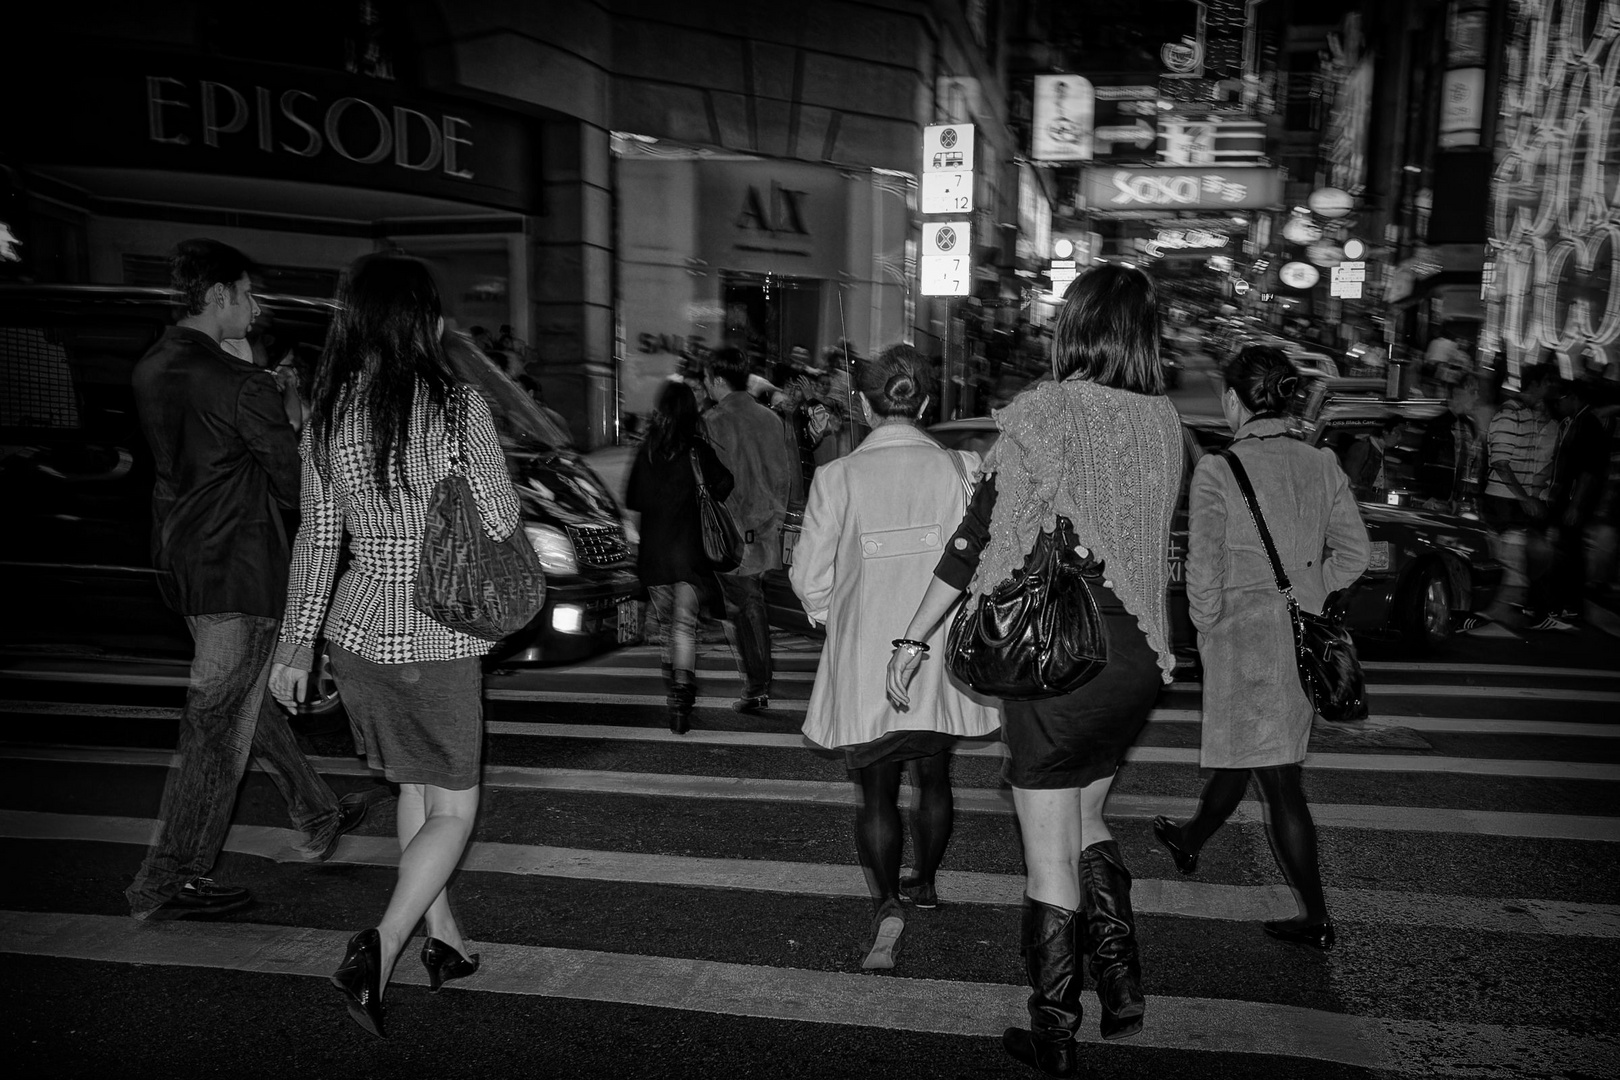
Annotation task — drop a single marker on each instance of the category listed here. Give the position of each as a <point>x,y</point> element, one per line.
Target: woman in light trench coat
<point>1256,717</point>
<point>874,527</point>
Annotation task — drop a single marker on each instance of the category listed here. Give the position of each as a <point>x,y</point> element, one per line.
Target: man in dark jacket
<point>752,445</point>
<point>226,463</point>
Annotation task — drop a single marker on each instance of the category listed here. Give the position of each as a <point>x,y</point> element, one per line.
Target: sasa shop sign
<point>1104,189</point>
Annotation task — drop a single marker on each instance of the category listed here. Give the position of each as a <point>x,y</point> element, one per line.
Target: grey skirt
<point>417,723</point>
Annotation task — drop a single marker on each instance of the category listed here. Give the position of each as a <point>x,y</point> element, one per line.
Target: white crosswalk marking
<point>1554,741</point>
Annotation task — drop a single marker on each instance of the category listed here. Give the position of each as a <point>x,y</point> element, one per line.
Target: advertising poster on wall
<point>1063,119</point>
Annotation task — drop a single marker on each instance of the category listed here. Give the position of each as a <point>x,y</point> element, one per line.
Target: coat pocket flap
<point>917,540</point>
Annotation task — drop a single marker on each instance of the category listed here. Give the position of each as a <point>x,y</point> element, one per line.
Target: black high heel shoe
<point>1169,834</point>
<point>443,963</point>
<point>360,979</point>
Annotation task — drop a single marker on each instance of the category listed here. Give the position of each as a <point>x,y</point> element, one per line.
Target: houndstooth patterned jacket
<point>371,613</point>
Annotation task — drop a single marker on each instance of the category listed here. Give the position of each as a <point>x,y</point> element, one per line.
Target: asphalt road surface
<point>652,905</point>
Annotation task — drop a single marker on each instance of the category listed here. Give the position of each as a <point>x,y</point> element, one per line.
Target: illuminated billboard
<point>1554,234</point>
<point>1104,189</point>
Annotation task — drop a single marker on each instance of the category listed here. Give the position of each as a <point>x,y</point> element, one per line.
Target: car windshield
<point>521,423</point>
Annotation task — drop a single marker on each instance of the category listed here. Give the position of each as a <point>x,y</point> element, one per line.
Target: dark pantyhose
<point>1289,826</point>
<point>877,819</point>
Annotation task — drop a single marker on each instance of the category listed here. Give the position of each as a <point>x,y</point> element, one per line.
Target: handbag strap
<point>961,474</point>
<point>1284,586</point>
<point>455,419</point>
<point>697,473</point>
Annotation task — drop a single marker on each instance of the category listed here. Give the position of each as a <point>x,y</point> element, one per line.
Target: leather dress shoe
<point>443,963</point>
<point>1318,936</point>
<point>752,703</point>
<point>202,898</point>
<point>351,811</point>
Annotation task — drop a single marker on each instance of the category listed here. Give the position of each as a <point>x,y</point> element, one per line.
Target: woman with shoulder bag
<point>1098,451</point>
<point>388,420</point>
<point>1257,717</point>
<point>876,521</point>
<point>670,560</point>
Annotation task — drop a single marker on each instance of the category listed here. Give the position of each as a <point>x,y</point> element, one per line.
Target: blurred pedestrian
<point>752,445</point>
<point>1451,455</point>
<point>389,414</point>
<point>1580,471</point>
<point>1101,447</point>
<point>226,463</point>
<point>1519,448</point>
<point>873,530</point>
<point>670,558</point>
<point>1256,717</point>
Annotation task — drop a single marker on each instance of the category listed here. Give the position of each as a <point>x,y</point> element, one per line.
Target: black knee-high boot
<point>1051,959</point>
<point>1116,966</point>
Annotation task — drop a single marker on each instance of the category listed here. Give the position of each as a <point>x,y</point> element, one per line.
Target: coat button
<point>870,547</point>
<point>1307,562</point>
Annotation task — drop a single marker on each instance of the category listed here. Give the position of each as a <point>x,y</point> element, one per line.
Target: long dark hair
<point>382,349</point>
<point>674,426</point>
<point>1108,330</point>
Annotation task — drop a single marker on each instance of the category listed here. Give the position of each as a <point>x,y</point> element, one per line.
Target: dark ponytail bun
<point>1264,379</point>
<point>896,381</point>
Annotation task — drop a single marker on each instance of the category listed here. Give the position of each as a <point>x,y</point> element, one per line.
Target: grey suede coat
<point>1255,713</point>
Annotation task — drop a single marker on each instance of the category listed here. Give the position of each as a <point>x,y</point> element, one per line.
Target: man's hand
<point>1535,508</point>
<point>288,685</point>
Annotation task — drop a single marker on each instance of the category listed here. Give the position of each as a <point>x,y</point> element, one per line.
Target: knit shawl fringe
<point>1108,460</point>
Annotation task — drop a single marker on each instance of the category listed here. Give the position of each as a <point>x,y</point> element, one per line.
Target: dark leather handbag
<point>1329,670</point>
<point>722,541</point>
<point>465,580</point>
<point>1038,634</point>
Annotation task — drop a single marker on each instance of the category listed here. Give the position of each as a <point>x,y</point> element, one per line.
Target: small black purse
<point>1038,634</point>
<point>1329,670</point>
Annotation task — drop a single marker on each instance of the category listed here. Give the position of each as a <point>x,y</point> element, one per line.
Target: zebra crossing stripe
<point>1153,896</point>
<point>934,1006</point>
<point>541,729</point>
<point>1373,817</point>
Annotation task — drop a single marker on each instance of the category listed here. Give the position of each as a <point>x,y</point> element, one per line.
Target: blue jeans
<point>748,628</point>
<point>675,606</point>
<point>227,716</point>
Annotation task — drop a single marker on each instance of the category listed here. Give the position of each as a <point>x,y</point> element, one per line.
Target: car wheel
<point>322,697</point>
<point>1426,616</point>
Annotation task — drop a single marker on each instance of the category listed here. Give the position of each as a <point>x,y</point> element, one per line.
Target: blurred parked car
<point>76,481</point>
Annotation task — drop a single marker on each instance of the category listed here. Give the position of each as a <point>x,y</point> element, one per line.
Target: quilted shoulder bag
<point>722,541</point>
<point>1038,634</point>
<point>1329,670</point>
<point>465,580</point>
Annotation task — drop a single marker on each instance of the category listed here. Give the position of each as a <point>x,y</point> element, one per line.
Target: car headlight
<point>554,549</point>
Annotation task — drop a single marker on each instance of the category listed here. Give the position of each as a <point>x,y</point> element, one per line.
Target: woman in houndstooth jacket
<point>376,447</point>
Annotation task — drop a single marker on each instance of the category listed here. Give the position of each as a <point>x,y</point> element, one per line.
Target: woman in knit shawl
<point>1100,446</point>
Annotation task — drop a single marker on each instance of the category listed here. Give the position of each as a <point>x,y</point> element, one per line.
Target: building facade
<point>614,180</point>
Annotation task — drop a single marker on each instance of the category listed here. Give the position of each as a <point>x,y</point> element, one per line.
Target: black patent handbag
<point>1038,634</point>
<point>1329,669</point>
<point>465,580</point>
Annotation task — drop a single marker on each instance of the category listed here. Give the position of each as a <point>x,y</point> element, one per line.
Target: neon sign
<point>1555,234</point>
